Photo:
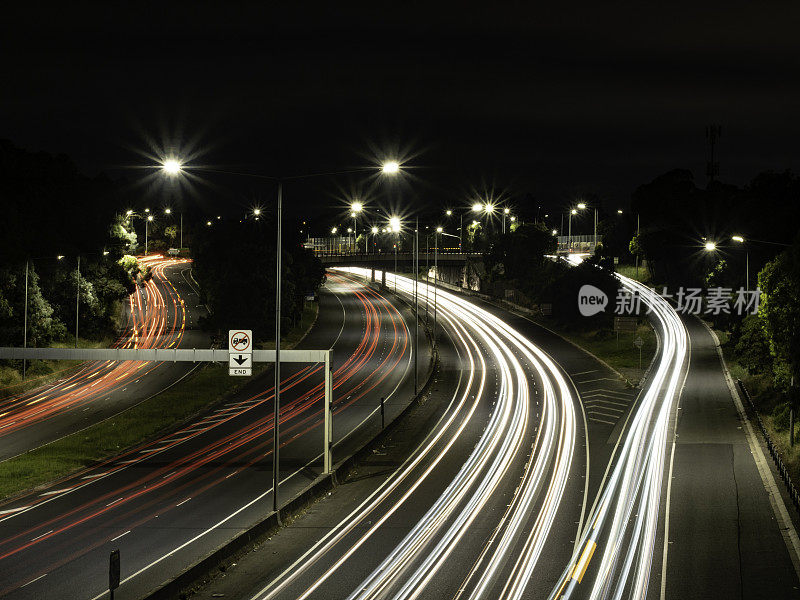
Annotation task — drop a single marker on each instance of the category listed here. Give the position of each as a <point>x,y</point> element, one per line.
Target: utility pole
<point>416,306</point>
<point>25,323</point>
<point>638,246</point>
<point>77,300</point>
<point>435,278</point>
<point>277,408</point>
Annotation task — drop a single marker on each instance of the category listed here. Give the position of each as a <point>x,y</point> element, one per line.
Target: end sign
<point>240,352</point>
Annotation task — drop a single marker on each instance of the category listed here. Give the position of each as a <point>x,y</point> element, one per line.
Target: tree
<point>780,312</point>
<point>752,346</point>
<point>170,233</point>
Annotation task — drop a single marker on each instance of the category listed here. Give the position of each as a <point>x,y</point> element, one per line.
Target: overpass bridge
<point>404,260</point>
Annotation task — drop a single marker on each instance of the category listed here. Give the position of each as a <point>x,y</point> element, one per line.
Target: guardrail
<point>773,449</point>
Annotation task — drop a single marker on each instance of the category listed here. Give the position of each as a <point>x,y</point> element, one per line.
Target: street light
<point>506,211</point>
<point>356,208</point>
<point>477,207</point>
<point>172,167</point>
<point>391,167</point>
<point>710,246</point>
<point>740,240</point>
<point>146,222</point>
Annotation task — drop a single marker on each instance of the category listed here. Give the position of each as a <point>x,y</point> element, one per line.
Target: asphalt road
<point>251,575</point>
<point>468,512</point>
<point>171,501</point>
<point>724,540</point>
<point>161,314</point>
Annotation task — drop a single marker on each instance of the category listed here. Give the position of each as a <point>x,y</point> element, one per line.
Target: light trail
<point>94,380</point>
<point>624,519</point>
<point>510,437</point>
<point>205,466</point>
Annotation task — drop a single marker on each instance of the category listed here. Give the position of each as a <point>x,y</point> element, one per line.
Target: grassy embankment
<point>766,400</point>
<point>620,354</point>
<point>201,390</point>
<point>42,372</point>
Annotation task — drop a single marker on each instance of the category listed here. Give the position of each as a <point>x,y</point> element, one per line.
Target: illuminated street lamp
<point>355,208</point>
<point>172,167</point>
<point>391,167</point>
<point>147,221</point>
<point>506,212</point>
<point>710,246</point>
<point>740,240</point>
<point>477,207</point>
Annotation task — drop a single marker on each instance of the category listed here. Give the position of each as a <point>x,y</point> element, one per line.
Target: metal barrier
<point>773,449</point>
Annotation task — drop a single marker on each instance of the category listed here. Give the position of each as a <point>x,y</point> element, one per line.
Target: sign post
<point>113,572</point>
<point>240,352</point>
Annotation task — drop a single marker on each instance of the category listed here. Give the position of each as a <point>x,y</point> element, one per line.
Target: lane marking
<point>33,581</point>
<point>119,536</point>
<point>583,563</point>
<point>41,536</point>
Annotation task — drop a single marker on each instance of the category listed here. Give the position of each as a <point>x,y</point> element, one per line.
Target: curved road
<point>177,498</point>
<point>162,313</point>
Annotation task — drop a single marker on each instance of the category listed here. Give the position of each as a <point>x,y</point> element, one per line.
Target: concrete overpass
<point>405,260</point>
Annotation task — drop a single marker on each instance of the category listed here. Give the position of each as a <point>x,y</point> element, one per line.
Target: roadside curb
<point>181,586</point>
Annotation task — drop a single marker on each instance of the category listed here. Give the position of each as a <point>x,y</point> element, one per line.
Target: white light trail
<point>424,552</point>
<point>624,520</point>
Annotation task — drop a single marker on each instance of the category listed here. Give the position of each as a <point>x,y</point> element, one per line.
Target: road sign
<point>240,361</point>
<point>638,342</point>
<point>240,352</point>
<point>625,323</point>
<point>240,340</point>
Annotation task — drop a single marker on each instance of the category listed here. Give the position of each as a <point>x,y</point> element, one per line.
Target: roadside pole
<point>25,323</point>
<point>416,307</point>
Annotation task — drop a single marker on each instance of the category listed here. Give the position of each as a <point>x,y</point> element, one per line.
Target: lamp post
<point>146,223</point>
<point>25,323</point>
<point>505,214</point>
<point>394,226</point>
<point>355,209</point>
<point>740,239</point>
<point>77,298</point>
<point>173,167</point>
<point>374,233</point>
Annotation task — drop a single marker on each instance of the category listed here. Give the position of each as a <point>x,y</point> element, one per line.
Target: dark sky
<point>587,98</point>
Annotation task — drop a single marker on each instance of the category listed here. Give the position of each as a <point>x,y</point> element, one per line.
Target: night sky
<point>541,105</point>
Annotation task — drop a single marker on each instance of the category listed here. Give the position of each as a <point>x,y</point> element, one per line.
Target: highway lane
<point>615,555</point>
<point>175,499</point>
<point>724,539</point>
<point>470,513</point>
<point>162,313</point>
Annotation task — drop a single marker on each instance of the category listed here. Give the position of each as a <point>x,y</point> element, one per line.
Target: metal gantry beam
<point>157,354</point>
<point>192,355</point>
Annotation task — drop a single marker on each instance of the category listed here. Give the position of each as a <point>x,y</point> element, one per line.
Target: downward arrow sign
<point>240,359</point>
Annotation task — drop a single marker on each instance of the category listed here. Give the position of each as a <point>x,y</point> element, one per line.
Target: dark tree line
<point>50,210</point>
<point>235,267</point>
<point>518,260</point>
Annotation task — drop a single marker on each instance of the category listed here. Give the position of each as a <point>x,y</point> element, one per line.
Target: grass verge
<point>42,372</point>
<point>202,389</point>
<point>618,352</point>
<point>766,401</point>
